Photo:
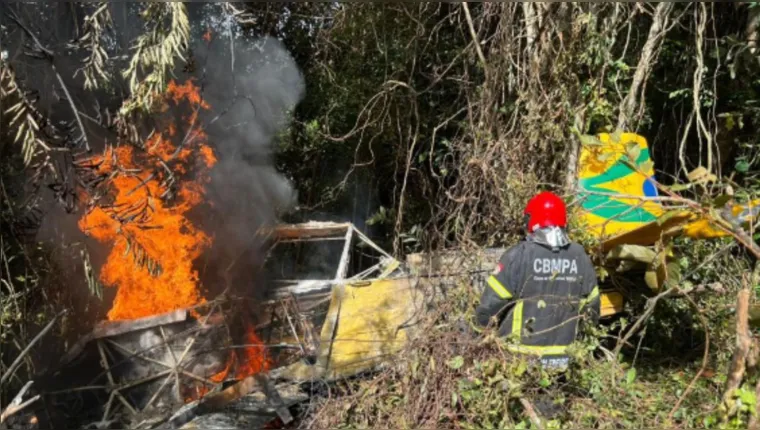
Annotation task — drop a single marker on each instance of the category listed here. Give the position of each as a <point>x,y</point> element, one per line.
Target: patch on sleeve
<point>498,269</point>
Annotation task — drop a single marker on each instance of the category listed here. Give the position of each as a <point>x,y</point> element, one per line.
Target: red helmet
<point>545,210</point>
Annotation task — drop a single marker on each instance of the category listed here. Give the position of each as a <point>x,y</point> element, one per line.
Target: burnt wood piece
<point>259,381</point>
<point>222,399</point>
<point>115,328</point>
<point>309,230</point>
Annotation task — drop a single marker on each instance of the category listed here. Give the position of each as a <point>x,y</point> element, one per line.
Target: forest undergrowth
<point>672,374</point>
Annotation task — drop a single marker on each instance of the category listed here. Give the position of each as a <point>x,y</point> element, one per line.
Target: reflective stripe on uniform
<point>517,320</point>
<point>498,288</point>
<point>538,350</point>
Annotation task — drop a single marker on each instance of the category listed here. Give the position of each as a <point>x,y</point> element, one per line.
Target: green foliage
<point>381,216</point>
<point>24,125</point>
<point>155,53</point>
<point>94,68</point>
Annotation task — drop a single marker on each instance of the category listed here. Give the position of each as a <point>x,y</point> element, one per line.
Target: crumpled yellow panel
<point>373,324</point>
<point>366,325</point>
<point>611,303</point>
<point>606,180</point>
<point>610,191</point>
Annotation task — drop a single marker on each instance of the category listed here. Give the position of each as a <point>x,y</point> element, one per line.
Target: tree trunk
<point>743,342</point>
<point>531,24</point>
<point>573,155</point>
<point>648,53</point>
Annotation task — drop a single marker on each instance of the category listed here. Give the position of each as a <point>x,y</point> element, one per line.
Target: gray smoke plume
<point>252,85</point>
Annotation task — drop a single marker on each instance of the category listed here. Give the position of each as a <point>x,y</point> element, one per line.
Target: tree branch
<point>474,35</point>
<point>646,62</point>
<point>12,368</point>
<point>48,55</point>
<point>531,412</point>
<point>16,405</point>
<point>750,32</point>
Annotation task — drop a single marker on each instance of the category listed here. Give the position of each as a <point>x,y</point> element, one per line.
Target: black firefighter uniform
<point>538,295</point>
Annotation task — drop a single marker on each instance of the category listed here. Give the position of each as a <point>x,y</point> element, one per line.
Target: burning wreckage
<point>182,369</point>
<point>173,355</point>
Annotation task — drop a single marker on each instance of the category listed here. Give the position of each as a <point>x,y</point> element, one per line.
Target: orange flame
<point>153,243</point>
<point>249,361</point>
<point>200,390</point>
<point>253,358</point>
<point>142,222</point>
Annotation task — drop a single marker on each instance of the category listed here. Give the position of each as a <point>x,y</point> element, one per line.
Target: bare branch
<point>474,35</point>
<point>12,368</point>
<point>17,404</point>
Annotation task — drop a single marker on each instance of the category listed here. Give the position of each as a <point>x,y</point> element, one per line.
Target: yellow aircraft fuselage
<point>620,204</point>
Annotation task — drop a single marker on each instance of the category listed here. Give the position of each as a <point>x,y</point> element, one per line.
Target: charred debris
<point>338,307</point>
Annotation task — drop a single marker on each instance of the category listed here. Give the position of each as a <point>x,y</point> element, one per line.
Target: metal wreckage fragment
<point>344,322</point>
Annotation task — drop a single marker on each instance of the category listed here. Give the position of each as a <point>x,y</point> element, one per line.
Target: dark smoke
<point>252,85</point>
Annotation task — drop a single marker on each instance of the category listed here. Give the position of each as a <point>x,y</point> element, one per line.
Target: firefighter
<point>542,287</point>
